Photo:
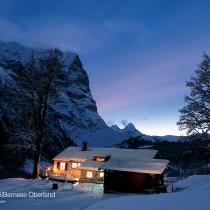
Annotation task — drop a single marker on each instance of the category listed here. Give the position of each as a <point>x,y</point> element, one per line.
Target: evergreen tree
<point>195,115</point>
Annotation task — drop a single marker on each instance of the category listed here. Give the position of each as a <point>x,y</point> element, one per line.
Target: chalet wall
<point>77,173</point>
<point>95,179</point>
<point>69,171</point>
<point>119,181</point>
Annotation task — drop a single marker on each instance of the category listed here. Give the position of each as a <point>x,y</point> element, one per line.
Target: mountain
<point>169,138</point>
<point>115,127</point>
<point>74,110</point>
<point>130,131</point>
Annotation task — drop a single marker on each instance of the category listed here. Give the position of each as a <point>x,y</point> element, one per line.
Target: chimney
<point>84,146</point>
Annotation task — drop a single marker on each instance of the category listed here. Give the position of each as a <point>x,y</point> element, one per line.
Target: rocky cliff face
<point>74,112</point>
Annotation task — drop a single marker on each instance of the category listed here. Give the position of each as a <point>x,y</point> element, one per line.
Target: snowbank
<point>175,201</point>
<point>194,196</point>
<point>194,183</point>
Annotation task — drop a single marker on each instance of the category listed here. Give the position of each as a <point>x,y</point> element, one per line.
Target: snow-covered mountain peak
<point>116,127</point>
<point>17,52</point>
<point>131,130</point>
<point>129,127</point>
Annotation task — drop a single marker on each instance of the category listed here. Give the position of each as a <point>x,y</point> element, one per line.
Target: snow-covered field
<point>191,193</point>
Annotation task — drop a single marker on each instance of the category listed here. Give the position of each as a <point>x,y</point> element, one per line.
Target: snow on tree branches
<point>195,115</point>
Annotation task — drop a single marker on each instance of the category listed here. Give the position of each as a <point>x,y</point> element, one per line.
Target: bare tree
<point>39,85</point>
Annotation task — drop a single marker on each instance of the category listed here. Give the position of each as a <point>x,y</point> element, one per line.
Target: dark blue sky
<point>138,54</point>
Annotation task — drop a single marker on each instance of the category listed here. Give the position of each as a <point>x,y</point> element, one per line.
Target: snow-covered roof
<point>75,153</point>
<point>134,160</point>
<point>152,166</point>
<point>91,165</point>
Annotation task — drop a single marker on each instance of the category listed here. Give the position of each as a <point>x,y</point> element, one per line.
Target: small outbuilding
<point>125,176</point>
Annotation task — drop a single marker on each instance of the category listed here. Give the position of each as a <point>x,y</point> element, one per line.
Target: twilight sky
<point>138,54</point>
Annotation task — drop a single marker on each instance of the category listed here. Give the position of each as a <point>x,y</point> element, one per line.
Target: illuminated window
<point>89,174</point>
<point>99,159</point>
<point>62,166</point>
<point>75,165</point>
<point>101,174</point>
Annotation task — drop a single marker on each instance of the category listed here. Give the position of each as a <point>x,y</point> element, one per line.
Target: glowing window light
<point>75,165</point>
<point>62,166</point>
<point>101,174</point>
<point>89,174</point>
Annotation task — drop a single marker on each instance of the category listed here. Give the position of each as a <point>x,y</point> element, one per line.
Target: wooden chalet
<point>120,170</point>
